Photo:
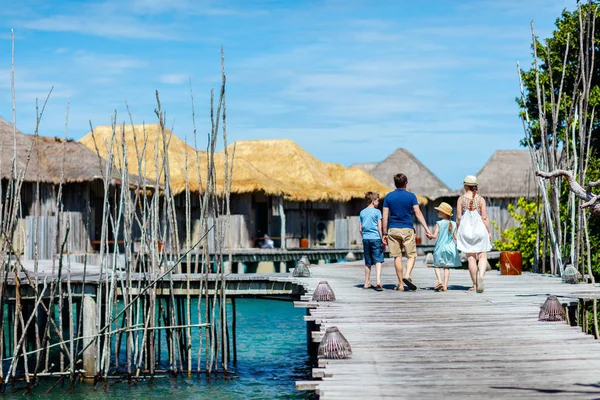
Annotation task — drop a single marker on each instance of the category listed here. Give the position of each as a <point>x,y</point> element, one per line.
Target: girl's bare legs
<point>378,273</point>
<point>438,275</point>
<point>367,277</point>
<point>446,278</point>
<point>472,260</point>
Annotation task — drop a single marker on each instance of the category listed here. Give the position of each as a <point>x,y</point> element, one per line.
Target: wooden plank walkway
<point>455,344</point>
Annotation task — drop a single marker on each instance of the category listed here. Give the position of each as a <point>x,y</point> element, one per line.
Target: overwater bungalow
<point>43,163</point>
<point>277,189</point>
<point>320,201</point>
<point>421,181</point>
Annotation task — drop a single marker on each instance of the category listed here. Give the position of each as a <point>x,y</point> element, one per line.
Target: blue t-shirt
<point>400,203</point>
<point>368,219</point>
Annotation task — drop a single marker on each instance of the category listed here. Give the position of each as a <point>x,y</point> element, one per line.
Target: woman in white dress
<point>473,236</point>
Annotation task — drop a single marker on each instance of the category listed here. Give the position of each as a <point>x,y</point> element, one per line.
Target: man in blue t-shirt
<point>398,228</point>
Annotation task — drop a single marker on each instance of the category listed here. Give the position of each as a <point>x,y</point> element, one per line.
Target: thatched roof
<point>304,177</point>
<point>46,158</point>
<point>23,149</point>
<point>275,167</point>
<point>421,180</point>
<point>508,174</point>
<point>145,143</point>
<point>80,163</point>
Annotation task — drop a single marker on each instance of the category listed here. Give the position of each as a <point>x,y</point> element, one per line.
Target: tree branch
<point>591,201</point>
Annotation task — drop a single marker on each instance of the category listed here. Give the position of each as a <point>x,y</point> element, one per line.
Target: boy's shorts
<point>399,238</point>
<point>373,251</point>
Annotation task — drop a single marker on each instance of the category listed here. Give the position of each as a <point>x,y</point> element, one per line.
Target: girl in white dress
<point>474,234</point>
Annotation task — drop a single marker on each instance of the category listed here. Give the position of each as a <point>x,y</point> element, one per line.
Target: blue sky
<point>348,80</point>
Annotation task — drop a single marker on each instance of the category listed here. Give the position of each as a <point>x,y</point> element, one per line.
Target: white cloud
<point>106,26</point>
<point>107,64</point>
<point>174,78</point>
<point>190,7</point>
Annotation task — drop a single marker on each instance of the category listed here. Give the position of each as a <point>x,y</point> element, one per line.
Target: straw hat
<point>445,208</point>
<point>470,180</point>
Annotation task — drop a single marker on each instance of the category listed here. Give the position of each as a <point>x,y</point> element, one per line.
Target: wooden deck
<point>452,345</point>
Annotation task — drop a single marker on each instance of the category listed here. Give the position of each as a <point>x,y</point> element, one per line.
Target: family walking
<point>394,227</point>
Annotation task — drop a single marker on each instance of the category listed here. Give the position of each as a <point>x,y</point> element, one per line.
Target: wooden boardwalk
<point>455,344</point>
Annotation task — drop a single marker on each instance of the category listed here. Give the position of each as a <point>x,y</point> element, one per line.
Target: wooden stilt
<point>90,330</point>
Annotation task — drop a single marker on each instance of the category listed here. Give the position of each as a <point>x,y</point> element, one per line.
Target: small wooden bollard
<point>334,345</point>
<point>552,310</point>
<point>323,292</point>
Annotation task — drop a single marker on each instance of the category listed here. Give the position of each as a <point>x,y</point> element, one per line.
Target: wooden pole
<point>234,329</point>
<point>90,330</point>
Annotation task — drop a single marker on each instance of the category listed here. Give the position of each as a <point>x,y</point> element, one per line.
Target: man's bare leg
<point>399,271</point>
<point>410,264</point>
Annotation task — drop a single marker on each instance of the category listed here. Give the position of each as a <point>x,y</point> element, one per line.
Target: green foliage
<point>550,59</point>
<point>551,63</point>
<point>593,175</point>
<point>523,237</point>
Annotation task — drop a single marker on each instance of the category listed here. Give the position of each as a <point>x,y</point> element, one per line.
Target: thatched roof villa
<point>270,177</point>
<point>49,161</point>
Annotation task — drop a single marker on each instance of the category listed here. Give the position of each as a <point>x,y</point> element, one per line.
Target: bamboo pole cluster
<point>564,241</point>
<point>133,322</point>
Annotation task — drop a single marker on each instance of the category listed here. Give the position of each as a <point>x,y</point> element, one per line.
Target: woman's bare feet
<point>472,289</point>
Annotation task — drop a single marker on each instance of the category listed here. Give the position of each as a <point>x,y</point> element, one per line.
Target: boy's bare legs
<point>472,261</point>
<point>367,277</point>
<point>378,273</point>
<point>399,271</point>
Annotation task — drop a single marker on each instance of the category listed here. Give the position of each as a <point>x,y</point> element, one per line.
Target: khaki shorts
<point>399,238</point>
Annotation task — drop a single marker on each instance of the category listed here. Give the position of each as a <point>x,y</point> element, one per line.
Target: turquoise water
<point>271,347</point>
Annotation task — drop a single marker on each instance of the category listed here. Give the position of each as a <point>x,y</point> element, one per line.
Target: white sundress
<point>472,235</point>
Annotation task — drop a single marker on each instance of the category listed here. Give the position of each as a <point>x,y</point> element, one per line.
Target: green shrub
<point>521,238</point>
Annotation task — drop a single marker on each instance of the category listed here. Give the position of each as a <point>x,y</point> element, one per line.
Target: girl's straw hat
<point>445,208</point>
<point>470,180</point>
